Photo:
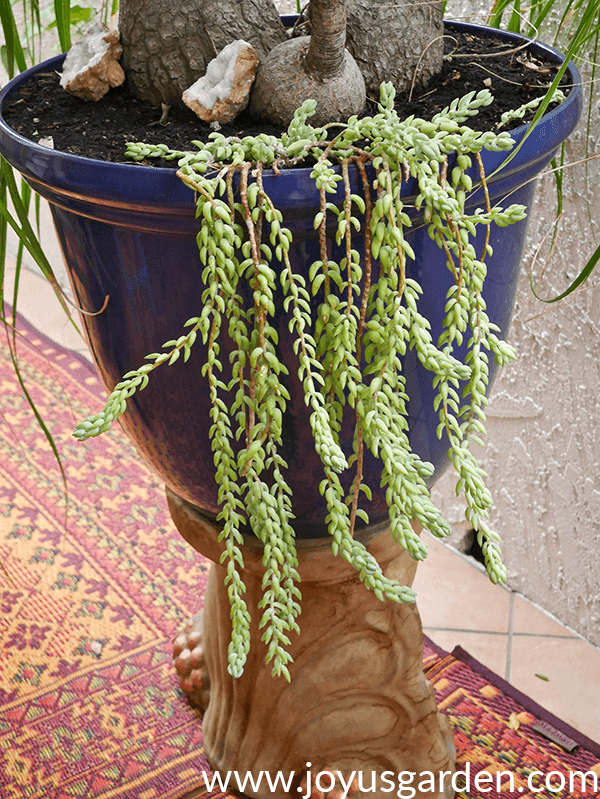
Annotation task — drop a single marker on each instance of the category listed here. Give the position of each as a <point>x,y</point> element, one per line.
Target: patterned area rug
<point>495,731</point>
<point>90,601</point>
<point>91,596</point>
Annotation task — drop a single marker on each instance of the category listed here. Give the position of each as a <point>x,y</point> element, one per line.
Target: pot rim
<point>40,152</point>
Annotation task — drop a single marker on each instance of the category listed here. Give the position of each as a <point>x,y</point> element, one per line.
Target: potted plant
<point>332,327</point>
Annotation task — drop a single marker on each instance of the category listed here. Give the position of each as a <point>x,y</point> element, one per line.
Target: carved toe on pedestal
<point>190,664</point>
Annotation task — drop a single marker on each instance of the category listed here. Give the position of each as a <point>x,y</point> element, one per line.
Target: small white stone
<point>92,66</point>
<point>224,90</point>
<point>97,647</point>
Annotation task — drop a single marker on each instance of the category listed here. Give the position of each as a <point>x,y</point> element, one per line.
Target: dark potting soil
<point>100,130</point>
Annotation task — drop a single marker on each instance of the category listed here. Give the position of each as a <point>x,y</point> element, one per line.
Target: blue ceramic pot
<point>128,231</point>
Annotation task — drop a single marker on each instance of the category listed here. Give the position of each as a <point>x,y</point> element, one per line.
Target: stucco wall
<point>543,450</point>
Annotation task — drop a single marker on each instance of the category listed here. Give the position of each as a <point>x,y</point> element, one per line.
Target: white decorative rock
<point>92,66</point>
<point>224,90</point>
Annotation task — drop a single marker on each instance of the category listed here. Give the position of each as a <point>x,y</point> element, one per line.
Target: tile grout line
<point>570,633</point>
<point>565,637</point>
<point>464,630</point>
<point>511,617</point>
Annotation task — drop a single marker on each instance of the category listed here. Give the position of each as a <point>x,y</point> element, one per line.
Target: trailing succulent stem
<point>353,321</point>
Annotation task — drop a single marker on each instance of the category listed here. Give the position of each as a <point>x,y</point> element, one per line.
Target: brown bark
<point>325,55</point>
<point>391,41</point>
<point>319,68</point>
<point>167,46</point>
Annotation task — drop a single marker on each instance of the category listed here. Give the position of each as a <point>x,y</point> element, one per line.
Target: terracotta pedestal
<point>358,700</point>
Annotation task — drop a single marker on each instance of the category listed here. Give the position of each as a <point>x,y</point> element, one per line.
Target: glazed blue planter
<point>128,231</point>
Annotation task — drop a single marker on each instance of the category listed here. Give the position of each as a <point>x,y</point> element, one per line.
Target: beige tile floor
<point>458,604</point>
<point>509,635</point>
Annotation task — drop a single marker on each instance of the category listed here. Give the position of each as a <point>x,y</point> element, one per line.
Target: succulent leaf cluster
<point>353,320</point>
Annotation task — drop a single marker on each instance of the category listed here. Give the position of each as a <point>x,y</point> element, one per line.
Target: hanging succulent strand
<point>353,321</point>
<point>357,483</point>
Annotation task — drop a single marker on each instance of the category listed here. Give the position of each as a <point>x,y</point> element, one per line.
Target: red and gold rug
<point>89,602</point>
<point>502,732</point>
<point>92,595</point>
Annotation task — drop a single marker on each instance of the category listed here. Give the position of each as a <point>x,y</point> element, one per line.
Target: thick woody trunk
<point>319,68</point>
<point>167,46</point>
<point>325,55</point>
<point>399,41</point>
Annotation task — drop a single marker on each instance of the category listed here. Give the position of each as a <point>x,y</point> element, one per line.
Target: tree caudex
<point>317,67</point>
<point>167,48</point>
<point>399,43</point>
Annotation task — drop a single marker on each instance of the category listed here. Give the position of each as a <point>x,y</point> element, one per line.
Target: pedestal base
<point>358,701</point>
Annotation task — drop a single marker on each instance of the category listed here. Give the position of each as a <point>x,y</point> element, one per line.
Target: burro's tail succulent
<point>351,320</point>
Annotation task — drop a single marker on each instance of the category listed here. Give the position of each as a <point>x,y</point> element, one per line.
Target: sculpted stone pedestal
<point>358,700</point>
